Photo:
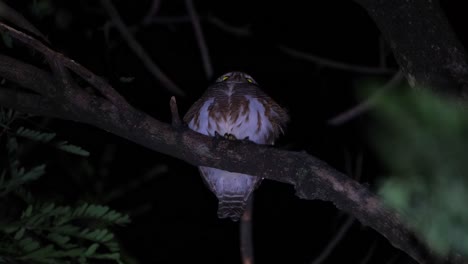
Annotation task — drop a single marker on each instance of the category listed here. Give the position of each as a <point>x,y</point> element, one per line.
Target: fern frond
<point>70,148</point>
<point>44,137</point>
<point>62,237</point>
<point>19,176</point>
<point>7,116</point>
<point>35,135</point>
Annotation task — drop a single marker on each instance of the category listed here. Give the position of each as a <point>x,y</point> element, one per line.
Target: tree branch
<point>366,104</point>
<point>205,55</point>
<point>311,177</point>
<point>334,64</point>
<point>423,43</point>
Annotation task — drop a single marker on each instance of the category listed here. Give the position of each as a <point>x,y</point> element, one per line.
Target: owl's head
<point>237,77</point>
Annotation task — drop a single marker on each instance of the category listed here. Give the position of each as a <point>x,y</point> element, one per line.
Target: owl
<point>237,109</point>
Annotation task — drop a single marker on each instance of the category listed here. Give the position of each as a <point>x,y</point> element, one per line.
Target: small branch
<point>176,122</point>
<point>333,242</point>
<point>334,64</point>
<point>9,14</point>
<point>246,233</point>
<point>367,104</point>
<point>105,89</point>
<point>200,38</point>
<point>37,80</point>
<point>233,30</point>
<point>423,43</point>
<point>155,5</point>
<point>369,254</point>
<point>139,50</point>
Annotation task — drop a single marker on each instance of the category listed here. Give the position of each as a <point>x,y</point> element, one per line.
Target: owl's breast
<point>242,116</point>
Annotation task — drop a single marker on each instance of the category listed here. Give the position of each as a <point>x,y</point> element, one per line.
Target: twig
<point>9,14</point>
<point>205,55</point>
<point>102,86</point>
<point>155,4</point>
<point>334,64</point>
<point>367,104</point>
<point>382,52</point>
<point>237,31</point>
<point>246,241</point>
<point>332,244</point>
<point>176,122</point>
<point>139,50</point>
<point>369,253</point>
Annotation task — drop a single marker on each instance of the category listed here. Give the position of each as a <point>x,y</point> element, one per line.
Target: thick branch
<point>423,43</point>
<point>312,178</point>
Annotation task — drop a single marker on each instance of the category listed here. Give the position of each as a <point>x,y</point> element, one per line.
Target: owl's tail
<point>232,206</point>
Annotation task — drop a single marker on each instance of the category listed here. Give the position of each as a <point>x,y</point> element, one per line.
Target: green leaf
<point>41,253</point>
<point>34,173</point>
<point>73,149</point>
<point>58,239</point>
<point>35,135</point>
<point>422,139</point>
<point>91,250</point>
<point>7,40</point>
<point>28,244</point>
<point>27,212</point>
<point>19,234</point>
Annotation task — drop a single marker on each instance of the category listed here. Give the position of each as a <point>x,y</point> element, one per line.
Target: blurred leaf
<point>422,138</point>
<point>7,40</point>
<point>41,8</point>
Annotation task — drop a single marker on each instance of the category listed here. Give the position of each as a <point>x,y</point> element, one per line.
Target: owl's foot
<point>229,136</point>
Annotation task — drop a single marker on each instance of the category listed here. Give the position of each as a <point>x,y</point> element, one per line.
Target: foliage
<point>48,138</point>
<point>42,231</point>
<point>423,138</point>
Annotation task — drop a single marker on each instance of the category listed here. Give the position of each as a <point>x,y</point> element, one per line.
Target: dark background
<point>173,214</point>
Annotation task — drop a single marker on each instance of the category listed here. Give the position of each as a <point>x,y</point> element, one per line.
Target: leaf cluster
<point>42,231</point>
<point>422,138</point>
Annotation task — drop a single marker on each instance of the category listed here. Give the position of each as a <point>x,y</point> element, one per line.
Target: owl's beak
<point>237,77</point>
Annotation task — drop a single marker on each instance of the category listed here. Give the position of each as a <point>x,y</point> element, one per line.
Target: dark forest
<point>98,166</point>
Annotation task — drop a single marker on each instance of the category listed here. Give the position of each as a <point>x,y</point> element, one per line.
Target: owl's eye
<point>225,78</point>
<point>249,80</point>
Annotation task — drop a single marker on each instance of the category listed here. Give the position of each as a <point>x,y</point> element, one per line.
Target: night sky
<point>173,214</point>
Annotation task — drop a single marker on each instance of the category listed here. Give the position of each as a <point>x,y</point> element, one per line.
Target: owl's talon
<point>229,136</point>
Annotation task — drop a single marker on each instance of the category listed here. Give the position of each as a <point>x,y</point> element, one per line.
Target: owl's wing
<point>193,110</point>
